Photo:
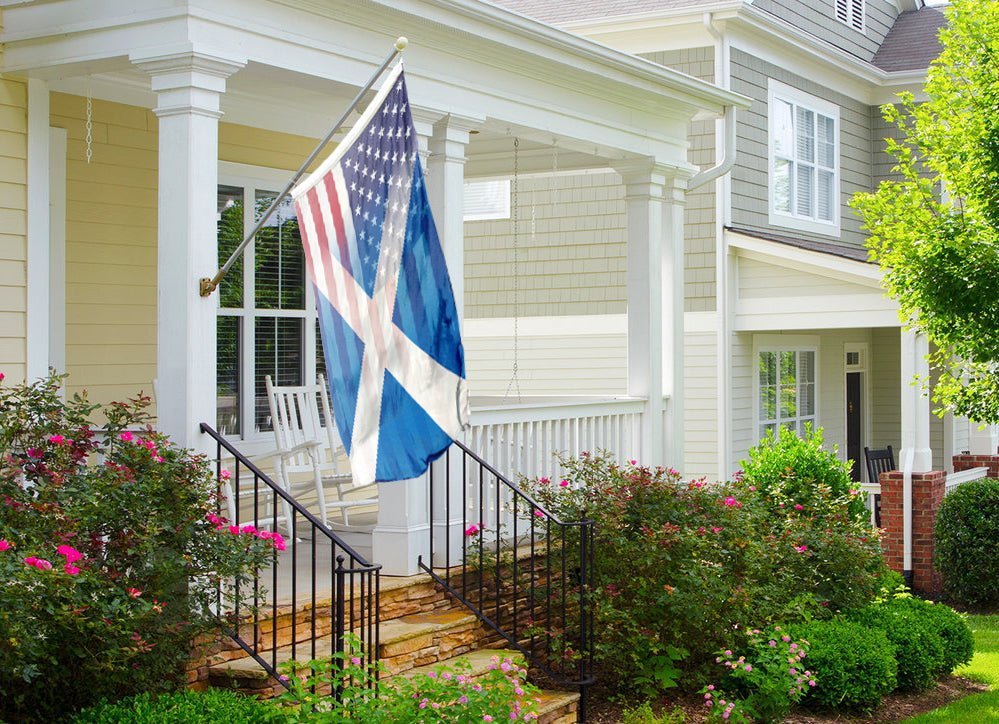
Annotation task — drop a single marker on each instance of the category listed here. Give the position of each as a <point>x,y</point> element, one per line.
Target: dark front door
<point>853,418</point>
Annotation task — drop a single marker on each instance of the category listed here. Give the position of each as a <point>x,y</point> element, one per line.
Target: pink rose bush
<point>100,527</point>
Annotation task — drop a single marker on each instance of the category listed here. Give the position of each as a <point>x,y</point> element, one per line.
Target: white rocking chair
<point>308,445</point>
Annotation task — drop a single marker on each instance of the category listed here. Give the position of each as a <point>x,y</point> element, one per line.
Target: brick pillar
<point>966,462</point>
<point>927,493</point>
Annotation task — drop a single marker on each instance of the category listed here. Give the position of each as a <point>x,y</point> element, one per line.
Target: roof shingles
<point>912,42</point>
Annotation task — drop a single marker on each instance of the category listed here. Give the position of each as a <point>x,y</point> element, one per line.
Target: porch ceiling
<point>305,59</point>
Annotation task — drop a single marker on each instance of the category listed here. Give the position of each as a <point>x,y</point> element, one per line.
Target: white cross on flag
<point>389,324</point>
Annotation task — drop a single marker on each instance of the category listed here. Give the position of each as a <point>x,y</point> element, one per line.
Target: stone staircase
<point>421,628</point>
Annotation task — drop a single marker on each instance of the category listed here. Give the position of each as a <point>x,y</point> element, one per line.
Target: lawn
<point>984,668</point>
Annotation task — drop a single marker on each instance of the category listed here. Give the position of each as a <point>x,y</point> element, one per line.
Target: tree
<point>935,228</point>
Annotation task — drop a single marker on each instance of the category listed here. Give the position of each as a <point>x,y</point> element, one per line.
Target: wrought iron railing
<point>315,591</point>
<point>520,569</point>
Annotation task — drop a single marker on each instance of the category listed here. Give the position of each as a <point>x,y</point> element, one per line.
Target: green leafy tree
<point>935,228</point>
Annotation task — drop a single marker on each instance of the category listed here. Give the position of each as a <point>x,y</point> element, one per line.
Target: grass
<point>984,667</point>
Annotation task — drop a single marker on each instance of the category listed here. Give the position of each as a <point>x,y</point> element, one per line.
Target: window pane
<point>278,348</point>
<point>805,190</point>
<point>827,142</point>
<point>320,356</point>
<point>230,234</point>
<point>783,173</point>
<point>783,125</point>
<point>768,403</point>
<point>768,368</point>
<point>806,366</point>
<point>788,401</point>
<point>806,400</point>
<point>805,132</point>
<point>227,375</point>
<point>280,260</point>
<point>825,196</point>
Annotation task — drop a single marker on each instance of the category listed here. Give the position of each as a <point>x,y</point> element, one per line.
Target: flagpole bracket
<point>206,286</point>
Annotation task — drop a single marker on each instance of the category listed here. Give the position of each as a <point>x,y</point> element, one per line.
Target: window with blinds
<point>804,161</point>
<point>851,12</point>
<point>266,319</point>
<point>486,200</point>
<point>786,389</point>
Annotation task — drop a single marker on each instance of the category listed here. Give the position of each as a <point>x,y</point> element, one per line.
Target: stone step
<point>480,661</point>
<point>558,707</point>
<point>405,643</point>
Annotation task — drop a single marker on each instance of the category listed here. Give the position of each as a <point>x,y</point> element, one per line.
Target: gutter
<point>721,79</point>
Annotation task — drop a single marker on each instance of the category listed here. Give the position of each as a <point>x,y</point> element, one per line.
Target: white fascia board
<point>834,319</point>
<point>805,260</point>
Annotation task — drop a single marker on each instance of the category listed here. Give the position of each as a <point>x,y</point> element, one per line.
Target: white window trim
<point>865,398</point>
<point>784,343</point>
<point>502,211</point>
<point>260,178</point>
<point>776,89</point>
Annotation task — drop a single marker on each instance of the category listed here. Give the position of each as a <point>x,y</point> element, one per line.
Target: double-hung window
<point>266,318</point>
<point>786,389</point>
<point>804,161</point>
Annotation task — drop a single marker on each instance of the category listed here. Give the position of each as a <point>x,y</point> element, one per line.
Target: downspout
<point>725,138</point>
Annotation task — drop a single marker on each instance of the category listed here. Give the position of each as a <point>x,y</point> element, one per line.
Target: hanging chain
<point>514,380</point>
<point>90,123</point>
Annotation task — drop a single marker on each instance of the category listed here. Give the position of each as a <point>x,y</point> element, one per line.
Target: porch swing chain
<point>514,380</point>
<point>90,122</point>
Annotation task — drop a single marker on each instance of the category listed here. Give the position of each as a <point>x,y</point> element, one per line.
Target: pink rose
<point>56,439</point>
<point>472,529</point>
<point>563,483</point>
<point>126,436</point>
<point>71,554</point>
<point>71,569</point>
<point>4,545</point>
<point>133,592</point>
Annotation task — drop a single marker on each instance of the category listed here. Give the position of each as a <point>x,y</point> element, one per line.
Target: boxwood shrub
<point>214,706</point>
<point>951,627</point>
<point>854,665</point>
<point>967,543</point>
<point>919,647</point>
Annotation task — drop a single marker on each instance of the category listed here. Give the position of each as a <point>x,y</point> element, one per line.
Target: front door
<point>853,424</point>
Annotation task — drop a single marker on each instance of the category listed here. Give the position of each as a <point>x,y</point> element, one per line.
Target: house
<point>140,139</point>
<point>785,319</point>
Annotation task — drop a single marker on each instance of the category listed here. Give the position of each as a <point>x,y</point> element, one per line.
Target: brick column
<point>966,462</point>
<point>927,493</point>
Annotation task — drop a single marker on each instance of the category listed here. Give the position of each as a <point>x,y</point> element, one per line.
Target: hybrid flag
<point>386,309</point>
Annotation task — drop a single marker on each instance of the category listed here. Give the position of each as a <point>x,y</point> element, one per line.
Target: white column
<point>188,86</point>
<point>915,454</point>
<point>38,312</point>
<point>402,534</point>
<point>447,200</point>
<point>654,195</point>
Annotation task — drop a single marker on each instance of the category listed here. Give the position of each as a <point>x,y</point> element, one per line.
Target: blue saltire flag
<point>386,309</point>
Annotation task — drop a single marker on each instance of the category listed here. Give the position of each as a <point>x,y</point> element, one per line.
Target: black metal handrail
<point>352,605</point>
<point>519,568</point>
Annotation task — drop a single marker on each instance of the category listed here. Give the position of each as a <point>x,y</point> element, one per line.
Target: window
<point>851,12</point>
<point>804,161</point>
<point>486,200</point>
<point>266,318</point>
<point>786,389</point>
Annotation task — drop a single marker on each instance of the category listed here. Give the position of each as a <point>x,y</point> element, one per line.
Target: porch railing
<point>520,569</point>
<point>317,572</point>
<point>523,438</point>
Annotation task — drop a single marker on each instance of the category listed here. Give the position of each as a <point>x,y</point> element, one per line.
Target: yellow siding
<point>110,248</point>
<point>700,414</point>
<point>111,216</point>
<point>13,222</point>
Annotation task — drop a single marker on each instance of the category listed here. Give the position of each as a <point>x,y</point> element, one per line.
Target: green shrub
<point>919,648</point>
<point>214,706</point>
<point>854,665</point>
<point>680,565</point>
<point>643,714</point>
<point>953,630</point>
<point>967,543</point>
<point>789,470</point>
<point>109,556</point>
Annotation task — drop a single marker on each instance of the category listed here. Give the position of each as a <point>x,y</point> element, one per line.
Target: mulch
<point>895,707</point>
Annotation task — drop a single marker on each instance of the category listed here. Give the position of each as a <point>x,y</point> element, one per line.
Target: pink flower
<point>133,592</point>
<point>801,549</point>
<point>563,483</point>
<point>70,553</point>
<point>486,717</point>
<point>539,513</point>
<point>225,474</point>
<point>278,541</point>
<point>126,436</point>
<point>34,452</point>
<point>2,375</point>
<point>730,501</point>
<point>264,534</point>
<point>157,458</point>
<point>749,667</point>
<point>715,529</point>
<point>355,660</point>
<point>632,462</point>
<point>248,529</point>
<point>71,569</point>
<point>4,545</point>
<point>234,529</point>
<point>544,480</point>
<point>472,529</point>
<point>752,488</point>
<point>799,506</point>
<point>42,564</point>
<point>30,560</point>
<point>56,439</point>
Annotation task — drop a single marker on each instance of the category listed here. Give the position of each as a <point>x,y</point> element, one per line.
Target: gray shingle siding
<point>818,18</point>
<point>699,214</point>
<point>750,188</point>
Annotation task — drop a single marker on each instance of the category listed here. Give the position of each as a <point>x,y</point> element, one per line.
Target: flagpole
<point>206,285</point>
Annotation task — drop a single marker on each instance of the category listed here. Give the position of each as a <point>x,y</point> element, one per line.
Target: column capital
<point>186,80</point>
<point>649,178</point>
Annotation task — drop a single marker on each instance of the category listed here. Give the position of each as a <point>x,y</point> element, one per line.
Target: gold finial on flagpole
<point>401,42</point>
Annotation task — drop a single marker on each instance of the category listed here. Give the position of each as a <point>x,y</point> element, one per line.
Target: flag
<point>386,309</point>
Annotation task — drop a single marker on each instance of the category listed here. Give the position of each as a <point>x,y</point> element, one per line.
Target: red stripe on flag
<point>302,208</point>
<point>341,237</point>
